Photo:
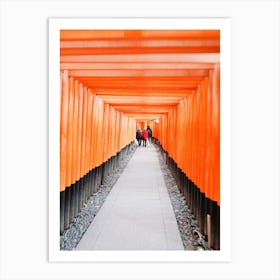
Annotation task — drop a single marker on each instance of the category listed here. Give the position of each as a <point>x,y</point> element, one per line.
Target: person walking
<point>150,133</point>
<point>139,136</point>
<point>145,136</point>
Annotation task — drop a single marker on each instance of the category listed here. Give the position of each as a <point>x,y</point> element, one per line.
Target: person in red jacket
<point>145,136</point>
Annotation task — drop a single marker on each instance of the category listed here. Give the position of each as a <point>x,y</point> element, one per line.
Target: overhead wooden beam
<point>144,92</point>
<point>152,58</point>
<point>145,110</point>
<point>123,102</point>
<point>144,107</point>
<point>92,44</point>
<point>93,86</point>
<point>133,66</point>
<point>139,34</point>
<point>140,50</point>
<point>139,73</point>
<point>145,117</point>
<point>140,117</point>
<point>144,113</point>
<point>136,87</point>
<point>140,99</point>
<point>142,79</point>
<point>141,83</point>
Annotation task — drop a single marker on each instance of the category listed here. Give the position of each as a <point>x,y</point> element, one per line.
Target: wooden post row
<point>190,134</point>
<point>91,132</point>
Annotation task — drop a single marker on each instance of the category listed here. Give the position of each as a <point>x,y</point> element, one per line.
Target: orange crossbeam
<point>134,65</point>
<point>87,35</point>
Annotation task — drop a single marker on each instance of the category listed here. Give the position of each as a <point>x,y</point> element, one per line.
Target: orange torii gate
<point>167,79</point>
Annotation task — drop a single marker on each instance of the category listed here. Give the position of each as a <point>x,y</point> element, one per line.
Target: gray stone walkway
<point>137,214</point>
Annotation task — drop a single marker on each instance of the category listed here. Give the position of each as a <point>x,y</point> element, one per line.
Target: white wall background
<point>24,139</point>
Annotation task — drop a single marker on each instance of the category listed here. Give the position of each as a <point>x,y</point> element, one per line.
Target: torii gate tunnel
<point>113,81</point>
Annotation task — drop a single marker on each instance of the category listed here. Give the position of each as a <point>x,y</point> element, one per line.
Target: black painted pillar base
<point>67,208</point>
<point>62,209</point>
<point>72,202</point>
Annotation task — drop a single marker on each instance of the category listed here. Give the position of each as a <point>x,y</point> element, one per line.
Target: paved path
<point>137,214</point>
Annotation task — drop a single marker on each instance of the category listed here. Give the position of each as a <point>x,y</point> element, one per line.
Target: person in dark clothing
<point>150,132</point>
<point>139,136</point>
